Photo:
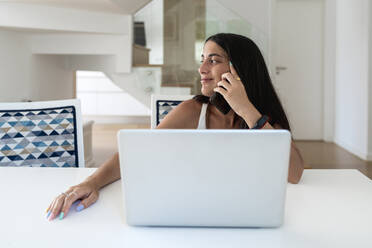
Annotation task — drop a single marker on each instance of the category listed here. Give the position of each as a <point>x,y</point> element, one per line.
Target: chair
<point>161,105</point>
<point>41,134</point>
<point>88,143</point>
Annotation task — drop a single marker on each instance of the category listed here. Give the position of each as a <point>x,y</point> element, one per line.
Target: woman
<point>231,65</point>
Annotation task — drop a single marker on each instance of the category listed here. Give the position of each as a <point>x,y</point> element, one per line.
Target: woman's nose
<point>203,68</point>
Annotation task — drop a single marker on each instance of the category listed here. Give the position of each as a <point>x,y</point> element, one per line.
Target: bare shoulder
<point>185,115</point>
<point>190,107</point>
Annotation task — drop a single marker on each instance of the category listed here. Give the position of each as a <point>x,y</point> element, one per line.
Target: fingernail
<point>51,217</point>
<point>47,210</point>
<point>80,207</point>
<point>230,63</point>
<point>48,214</point>
<point>61,216</point>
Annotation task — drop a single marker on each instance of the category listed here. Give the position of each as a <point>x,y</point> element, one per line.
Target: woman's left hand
<point>234,92</point>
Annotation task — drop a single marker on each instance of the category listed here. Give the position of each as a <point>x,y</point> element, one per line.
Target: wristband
<point>261,122</point>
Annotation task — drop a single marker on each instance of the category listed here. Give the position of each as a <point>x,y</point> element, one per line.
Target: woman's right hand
<point>86,192</point>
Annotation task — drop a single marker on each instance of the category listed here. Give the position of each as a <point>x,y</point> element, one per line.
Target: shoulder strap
<point>202,119</point>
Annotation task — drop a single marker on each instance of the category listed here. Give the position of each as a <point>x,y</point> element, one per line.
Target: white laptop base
<point>230,178</point>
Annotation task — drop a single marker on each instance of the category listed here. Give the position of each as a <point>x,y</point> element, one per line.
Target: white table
<point>329,208</point>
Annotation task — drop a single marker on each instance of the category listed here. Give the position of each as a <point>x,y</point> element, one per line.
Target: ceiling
<point>108,6</point>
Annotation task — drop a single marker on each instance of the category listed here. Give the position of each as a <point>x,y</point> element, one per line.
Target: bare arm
<point>107,173</point>
<point>183,116</point>
<point>236,96</point>
<point>296,165</point>
<point>88,191</point>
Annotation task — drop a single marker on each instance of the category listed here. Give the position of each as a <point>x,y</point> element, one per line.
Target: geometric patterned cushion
<point>163,107</point>
<point>39,137</point>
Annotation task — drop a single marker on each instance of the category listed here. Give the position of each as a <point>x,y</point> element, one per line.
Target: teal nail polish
<point>230,63</point>
<point>80,207</point>
<point>48,214</point>
<point>61,216</point>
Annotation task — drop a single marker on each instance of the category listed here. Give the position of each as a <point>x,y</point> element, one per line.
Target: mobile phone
<point>219,101</point>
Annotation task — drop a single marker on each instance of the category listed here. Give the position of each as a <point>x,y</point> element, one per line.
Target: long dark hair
<point>250,65</point>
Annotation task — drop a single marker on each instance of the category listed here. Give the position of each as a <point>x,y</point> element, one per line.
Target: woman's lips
<point>206,80</point>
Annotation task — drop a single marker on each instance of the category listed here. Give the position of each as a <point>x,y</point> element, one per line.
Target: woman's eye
<point>211,61</point>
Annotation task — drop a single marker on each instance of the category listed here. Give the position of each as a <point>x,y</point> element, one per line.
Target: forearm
<point>251,116</point>
<point>296,165</point>
<point>107,173</point>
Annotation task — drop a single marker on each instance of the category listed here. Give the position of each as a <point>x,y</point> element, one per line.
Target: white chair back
<point>161,105</point>
<point>41,134</point>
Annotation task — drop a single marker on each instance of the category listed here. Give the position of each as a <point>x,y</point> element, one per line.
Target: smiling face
<point>214,62</point>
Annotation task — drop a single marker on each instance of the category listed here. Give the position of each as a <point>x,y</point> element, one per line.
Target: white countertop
<point>328,208</point>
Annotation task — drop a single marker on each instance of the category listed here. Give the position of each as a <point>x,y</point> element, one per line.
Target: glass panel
<point>178,43</point>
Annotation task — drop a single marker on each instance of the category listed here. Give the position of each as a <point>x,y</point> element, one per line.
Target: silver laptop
<point>214,178</point>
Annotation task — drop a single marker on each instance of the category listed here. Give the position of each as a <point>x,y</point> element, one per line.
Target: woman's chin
<point>207,92</point>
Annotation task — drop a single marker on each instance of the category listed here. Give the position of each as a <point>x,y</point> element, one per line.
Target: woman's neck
<point>228,118</point>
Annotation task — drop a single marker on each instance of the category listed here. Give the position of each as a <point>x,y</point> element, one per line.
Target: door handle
<point>279,68</point>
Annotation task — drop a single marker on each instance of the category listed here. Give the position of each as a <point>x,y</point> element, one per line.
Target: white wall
<point>87,44</point>
<point>329,72</point>
<point>101,97</point>
<point>299,46</point>
<point>14,67</point>
<point>29,77</point>
<point>369,157</point>
<point>38,16</point>
<point>50,79</point>
<point>352,77</point>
